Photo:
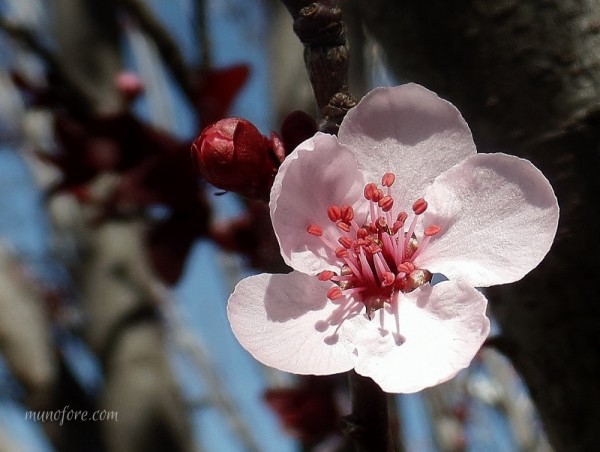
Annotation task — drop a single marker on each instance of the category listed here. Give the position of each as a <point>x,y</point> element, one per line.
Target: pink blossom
<point>365,219</point>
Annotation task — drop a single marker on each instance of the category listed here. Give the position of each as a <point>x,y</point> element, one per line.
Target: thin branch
<point>78,98</point>
<point>167,47</point>
<point>368,425</point>
<point>320,28</point>
<point>202,35</point>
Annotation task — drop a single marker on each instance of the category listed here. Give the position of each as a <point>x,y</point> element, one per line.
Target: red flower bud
<point>129,85</point>
<point>233,155</point>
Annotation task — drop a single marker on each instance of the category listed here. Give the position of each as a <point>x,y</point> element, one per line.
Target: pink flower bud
<point>129,84</point>
<point>233,155</point>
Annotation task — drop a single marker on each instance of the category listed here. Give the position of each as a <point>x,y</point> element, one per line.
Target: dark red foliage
<point>297,127</point>
<point>308,411</point>
<point>252,236</point>
<point>116,142</point>
<point>216,89</point>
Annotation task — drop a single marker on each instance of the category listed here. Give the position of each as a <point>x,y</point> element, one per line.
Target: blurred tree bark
<point>115,279</point>
<point>526,76</point>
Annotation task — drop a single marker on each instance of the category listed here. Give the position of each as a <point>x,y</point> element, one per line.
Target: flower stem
<point>368,426</point>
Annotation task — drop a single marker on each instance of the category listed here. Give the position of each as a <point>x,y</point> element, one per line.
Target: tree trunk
<point>526,77</point>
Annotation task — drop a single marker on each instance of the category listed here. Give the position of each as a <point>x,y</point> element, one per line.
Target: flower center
<point>377,257</point>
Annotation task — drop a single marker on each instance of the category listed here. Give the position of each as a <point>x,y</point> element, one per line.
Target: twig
<point>202,35</point>
<point>167,48</point>
<point>78,99</point>
<point>320,28</point>
<point>368,425</point>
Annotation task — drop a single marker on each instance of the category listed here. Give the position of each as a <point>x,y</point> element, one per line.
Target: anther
<point>315,230</point>
<point>432,230</point>
<point>347,213</point>
<point>377,195</point>
<point>402,216</point>
<point>343,226</point>
<point>406,267</point>
<point>419,206</point>
<point>334,293</point>
<point>334,213</point>
<point>370,190</point>
<point>362,233</point>
<point>386,203</point>
<point>381,224</point>
<point>388,179</point>
<point>341,252</point>
<point>373,248</point>
<point>326,275</point>
<point>346,242</point>
<point>388,279</point>
<point>397,226</point>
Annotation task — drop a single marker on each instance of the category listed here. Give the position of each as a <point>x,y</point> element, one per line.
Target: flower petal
<point>277,319</point>
<point>407,130</point>
<point>442,328</point>
<point>498,215</point>
<point>320,172</point>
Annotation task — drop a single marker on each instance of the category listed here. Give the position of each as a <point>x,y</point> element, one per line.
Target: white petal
<point>320,172</point>
<point>442,327</point>
<point>498,215</point>
<point>407,130</point>
<point>279,319</point>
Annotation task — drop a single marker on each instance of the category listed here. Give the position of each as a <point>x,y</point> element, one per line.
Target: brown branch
<point>368,426</point>
<point>75,95</point>
<point>320,28</point>
<point>202,35</point>
<point>166,46</point>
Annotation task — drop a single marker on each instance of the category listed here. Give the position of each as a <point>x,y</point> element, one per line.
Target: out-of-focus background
<point>116,260</point>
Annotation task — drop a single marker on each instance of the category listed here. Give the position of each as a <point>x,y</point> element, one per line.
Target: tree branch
<point>320,28</point>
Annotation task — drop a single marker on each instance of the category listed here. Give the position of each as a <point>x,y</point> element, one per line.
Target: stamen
<point>353,267</point>
<point>341,278</point>
<point>419,206</point>
<point>373,248</point>
<point>341,252</point>
<point>388,244</point>
<point>406,267</point>
<point>386,203</point>
<point>326,275</point>
<point>343,226</point>
<point>365,267</point>
<point>429,232</point>
<point>432,230</point>
<point>370,190</point>
<point>376,256</point>
<point>334,293</point>
<point>347,213</point>
<point>334,213</point>
<point>388,279</point>
<point>346,242</point>
<point>362,233</point>
<point>388,179</point>
<point>377,195</point>
<point>315,230</point>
